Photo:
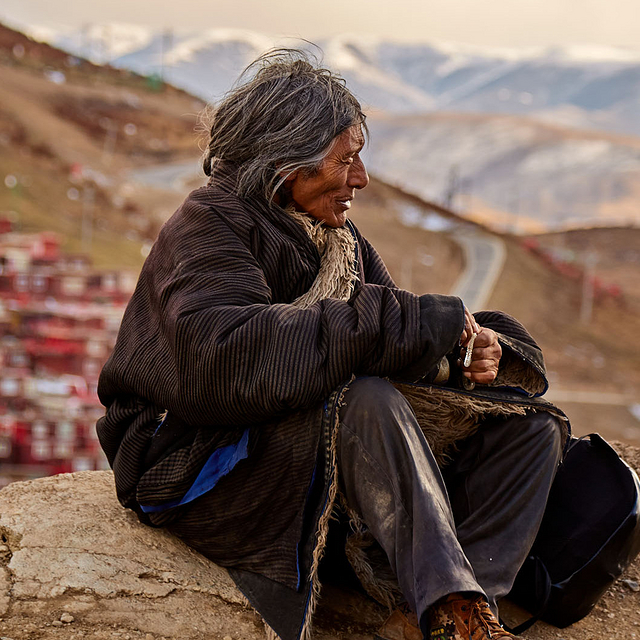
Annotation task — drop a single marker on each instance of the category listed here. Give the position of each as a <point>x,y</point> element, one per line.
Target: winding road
<point>484,258</point>
<point>172,177</point>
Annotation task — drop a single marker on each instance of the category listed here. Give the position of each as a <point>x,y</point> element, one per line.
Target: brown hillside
<point>377,212</point>
<point>616,252</point>
<point>69,132</point>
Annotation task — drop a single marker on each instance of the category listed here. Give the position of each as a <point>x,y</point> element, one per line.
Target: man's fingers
<point>481,371</point>
<point>483,357</point>
<point>470,327</point>
<point>483,365</point>
<point>486,337</point>
<point>485,377</point>
<point>484,353</point>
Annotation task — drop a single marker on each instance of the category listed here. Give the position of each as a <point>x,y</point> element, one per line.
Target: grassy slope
<point>617,252</point>
<point>600,357</point>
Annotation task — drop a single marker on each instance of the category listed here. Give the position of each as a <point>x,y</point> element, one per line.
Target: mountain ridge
<point>127,215</point>
<point>601,83</point>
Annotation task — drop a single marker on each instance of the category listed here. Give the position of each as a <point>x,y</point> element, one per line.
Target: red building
<point>59,318</point>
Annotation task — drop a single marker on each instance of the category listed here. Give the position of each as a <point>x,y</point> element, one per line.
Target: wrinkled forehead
<point>358,136</point>
<point>351,140</point>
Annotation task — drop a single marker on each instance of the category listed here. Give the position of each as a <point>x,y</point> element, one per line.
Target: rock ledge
<point>74,564</point>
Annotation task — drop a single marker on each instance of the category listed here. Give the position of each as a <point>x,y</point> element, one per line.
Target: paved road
<point>484,257</point>
<point>172,177</point>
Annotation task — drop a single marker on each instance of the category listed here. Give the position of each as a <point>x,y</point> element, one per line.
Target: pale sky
<point>482,22</point>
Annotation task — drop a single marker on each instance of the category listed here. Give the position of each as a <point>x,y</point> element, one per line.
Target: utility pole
<point>84,41</point>
<point>453,187</point>
<point>106,44</point>
<point>586,307</point>
<point>515,209</point>
<point>166,42</point>
<point>110,137</point>
<point>88,205</point>
<point>466,190</point>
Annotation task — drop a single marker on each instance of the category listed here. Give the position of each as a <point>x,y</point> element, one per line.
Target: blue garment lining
<point>220,462</point>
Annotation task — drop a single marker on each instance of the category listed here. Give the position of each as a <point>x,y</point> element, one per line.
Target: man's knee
<point>545,428</point>
<point>376,411</point>
<point>535,435</point>
<point>371,398</point>
<point>538,439</point>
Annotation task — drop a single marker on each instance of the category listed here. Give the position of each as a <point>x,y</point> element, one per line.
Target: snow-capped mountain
<point>583,86</point>
<point>205,63</point>
<point>100,43</point>
<point>208,63</point>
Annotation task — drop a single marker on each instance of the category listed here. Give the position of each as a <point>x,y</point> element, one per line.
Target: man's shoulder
<point>207,211</point>
<point>213,202</point>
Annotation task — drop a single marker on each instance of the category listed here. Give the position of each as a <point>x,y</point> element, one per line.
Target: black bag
<point>589,535</point>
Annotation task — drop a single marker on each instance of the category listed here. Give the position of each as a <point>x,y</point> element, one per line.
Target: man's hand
<point>485,357</point>
<point>470,327</point>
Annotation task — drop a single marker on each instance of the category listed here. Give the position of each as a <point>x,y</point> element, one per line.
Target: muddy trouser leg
<point>498,487</point>
<point>389,477</point>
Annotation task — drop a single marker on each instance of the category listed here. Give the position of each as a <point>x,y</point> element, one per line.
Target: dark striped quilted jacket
<point>209,337</point>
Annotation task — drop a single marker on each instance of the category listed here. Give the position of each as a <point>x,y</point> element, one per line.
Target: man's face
<point>327,194</point>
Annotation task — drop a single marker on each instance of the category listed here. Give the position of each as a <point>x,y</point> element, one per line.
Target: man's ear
<point>289,178</point>
<point>283,195</point>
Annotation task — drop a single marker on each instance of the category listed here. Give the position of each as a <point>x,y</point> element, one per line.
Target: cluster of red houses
<point>59,318</point>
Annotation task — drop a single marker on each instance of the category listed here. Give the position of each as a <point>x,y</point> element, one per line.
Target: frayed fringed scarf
<point>338,275</point>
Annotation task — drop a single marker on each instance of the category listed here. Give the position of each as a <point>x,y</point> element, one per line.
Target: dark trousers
<point>469,529</point>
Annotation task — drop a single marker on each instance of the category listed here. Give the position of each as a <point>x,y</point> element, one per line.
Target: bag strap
<point>542,589</point>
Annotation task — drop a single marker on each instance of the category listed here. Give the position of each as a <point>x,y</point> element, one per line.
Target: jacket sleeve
<point>522,367</point>
<point>201,338</point>
<point>375,270</point>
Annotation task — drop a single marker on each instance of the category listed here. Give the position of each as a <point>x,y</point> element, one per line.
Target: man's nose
<point>358,176</point>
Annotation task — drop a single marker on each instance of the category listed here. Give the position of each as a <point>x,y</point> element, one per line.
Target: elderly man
<point>268,371</point>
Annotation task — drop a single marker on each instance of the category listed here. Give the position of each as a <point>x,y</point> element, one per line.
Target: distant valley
<point>512,173</point>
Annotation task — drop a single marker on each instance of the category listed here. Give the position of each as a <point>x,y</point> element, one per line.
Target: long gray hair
<point>284,118</point>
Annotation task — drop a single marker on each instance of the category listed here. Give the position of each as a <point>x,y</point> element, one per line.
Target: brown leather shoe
<point>402,624</point>
<point>457,617</point>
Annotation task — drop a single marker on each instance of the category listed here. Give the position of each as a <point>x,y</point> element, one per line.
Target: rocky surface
<point>74,564</point>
